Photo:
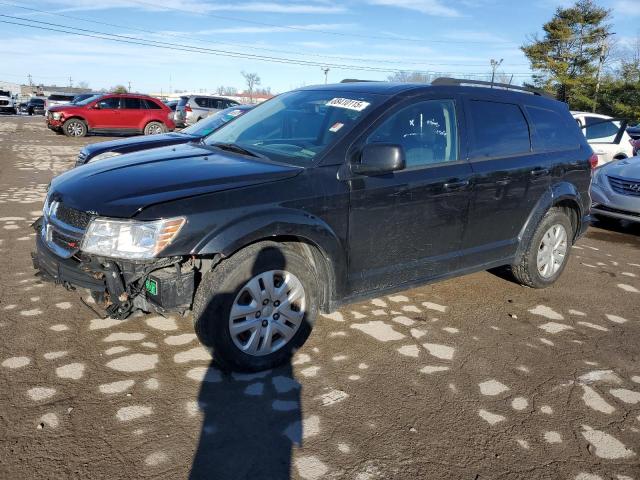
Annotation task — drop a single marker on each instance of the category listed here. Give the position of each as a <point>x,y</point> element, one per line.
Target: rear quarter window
<point>150,104</point>
<point>498,129</point>
<point>553,131</point>
<point>202,102</point>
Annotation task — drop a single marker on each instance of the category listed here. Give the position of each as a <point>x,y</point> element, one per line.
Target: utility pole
<point>326,73</point>
<point>129,86</point>
<point>494,66</point>
<point>30,80</point>
<point>603,56</point>
<point>70,82</point>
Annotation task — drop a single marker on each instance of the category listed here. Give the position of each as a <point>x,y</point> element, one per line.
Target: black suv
<point>320,197</point>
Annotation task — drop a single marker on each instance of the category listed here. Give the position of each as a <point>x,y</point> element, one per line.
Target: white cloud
<point>196,6</point>
<point>428,7</point>
<point>274,29</point>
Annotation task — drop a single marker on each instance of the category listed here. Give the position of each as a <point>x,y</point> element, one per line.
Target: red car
<point>636,146</point>
<point>122,113</point>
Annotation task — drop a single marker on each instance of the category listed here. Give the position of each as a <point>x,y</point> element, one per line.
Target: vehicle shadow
<point>250,422</point>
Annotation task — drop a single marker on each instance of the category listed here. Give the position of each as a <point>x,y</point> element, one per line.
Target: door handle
<point>539,172</point>
<point>455,185</point>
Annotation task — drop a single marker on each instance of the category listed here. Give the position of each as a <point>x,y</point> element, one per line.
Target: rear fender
<point>562,192</point>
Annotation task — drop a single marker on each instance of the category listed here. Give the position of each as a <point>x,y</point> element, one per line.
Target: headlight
<point>104,156</point>
<point>129,239</point>
<point>57,115</point>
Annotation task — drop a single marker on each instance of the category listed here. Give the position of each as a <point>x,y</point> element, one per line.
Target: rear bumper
<point>63,271</point>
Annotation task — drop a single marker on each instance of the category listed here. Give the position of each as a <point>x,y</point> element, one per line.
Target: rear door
<point>407,225</point>
<point>603,136</point>
<point>133,113</point>
<point>508,178</point>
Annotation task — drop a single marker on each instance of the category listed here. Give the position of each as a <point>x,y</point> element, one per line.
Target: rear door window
<point>600,130</point>
<point>498,129</point>
<point>553,130</point>
<point>131,103</point>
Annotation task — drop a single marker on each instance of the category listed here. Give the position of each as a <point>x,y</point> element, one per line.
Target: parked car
<point>7,102</point>
<point>56,99</point>
<point>83,96</point>
<point>634,132</point>
<point>34,106</point>
<point>172,104</point>
<point>101,151</point>
<point>120,113</point>
<point>615,190</point>
<point>193,108</point>
<point>604,135</point>
<point>635,144</point>
<point>320,197</point>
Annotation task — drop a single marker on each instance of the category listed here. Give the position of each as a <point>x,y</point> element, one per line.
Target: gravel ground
<point>471,378</point>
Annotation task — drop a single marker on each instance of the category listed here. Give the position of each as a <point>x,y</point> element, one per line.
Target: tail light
<point>187,108</point>
<point>593,161</point>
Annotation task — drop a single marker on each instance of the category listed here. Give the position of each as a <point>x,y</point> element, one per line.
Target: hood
<point>64,108</point>
<point>629,168</point>
<point>125,185</point>
<point>134,142</point>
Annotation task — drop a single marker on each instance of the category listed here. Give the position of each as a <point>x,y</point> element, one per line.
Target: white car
<point>7,102</point>
<point>602,133</point>
<point>56,99</point>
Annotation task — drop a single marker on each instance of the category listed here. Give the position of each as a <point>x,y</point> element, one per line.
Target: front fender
<point>228,238</point>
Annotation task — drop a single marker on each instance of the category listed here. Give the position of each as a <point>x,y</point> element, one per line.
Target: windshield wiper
<point>233,147</point>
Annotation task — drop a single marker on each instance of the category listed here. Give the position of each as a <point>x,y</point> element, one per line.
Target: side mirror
<point>96,106</point>
<point>379,158</point>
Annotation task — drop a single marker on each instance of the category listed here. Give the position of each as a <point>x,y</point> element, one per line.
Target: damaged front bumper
<point>120,287</point>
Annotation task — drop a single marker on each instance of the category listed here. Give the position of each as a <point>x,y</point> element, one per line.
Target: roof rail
<point>354,80</point>
<point>506,86</point>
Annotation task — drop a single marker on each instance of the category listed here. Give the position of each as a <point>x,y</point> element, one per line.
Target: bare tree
<point>410,77</point>
<point>252,80</point>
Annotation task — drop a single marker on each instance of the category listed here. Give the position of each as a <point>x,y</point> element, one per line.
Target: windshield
<point>296,127</point>
<point>207,125</point>
<point>5,93</point>
<point>87,101</point>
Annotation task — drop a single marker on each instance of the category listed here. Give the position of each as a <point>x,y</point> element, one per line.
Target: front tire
<point>546,254</point>
<point>74,127</point>
<point>154,128</point>
<point>257,307</point>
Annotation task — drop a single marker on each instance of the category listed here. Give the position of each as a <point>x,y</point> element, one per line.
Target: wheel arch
<point>308,234</point>
<point>562,195</point>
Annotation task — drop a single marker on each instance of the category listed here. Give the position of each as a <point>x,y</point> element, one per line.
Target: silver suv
<point>193,108</point>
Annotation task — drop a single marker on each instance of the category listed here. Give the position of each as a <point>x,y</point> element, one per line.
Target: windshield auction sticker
<point>349,104</point>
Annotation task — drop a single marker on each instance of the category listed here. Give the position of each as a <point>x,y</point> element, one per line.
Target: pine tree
<point>565,60</point>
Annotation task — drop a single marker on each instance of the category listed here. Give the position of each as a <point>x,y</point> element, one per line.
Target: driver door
<point>108,115</point>
<point>407,225</point>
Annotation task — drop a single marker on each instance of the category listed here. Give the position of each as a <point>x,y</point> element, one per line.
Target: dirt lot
<point>472,378</point>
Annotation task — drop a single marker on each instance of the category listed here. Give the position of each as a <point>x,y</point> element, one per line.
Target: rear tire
<point>74,127</point>
<point>242,293</point>
<point>154,128</point>
<point>546,253</point>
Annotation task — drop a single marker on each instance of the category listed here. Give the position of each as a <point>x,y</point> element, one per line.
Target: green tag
<point>151,286</point>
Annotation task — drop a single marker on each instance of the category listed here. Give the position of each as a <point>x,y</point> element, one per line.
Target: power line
<point>193,49</point>
<point>253,47</point>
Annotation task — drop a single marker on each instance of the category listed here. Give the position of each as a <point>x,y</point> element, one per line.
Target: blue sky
<point>453,36</point>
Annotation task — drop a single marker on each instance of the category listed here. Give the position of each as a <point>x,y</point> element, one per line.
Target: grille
<point>625,187</point>
<point>64,241</point>
<point>73,217</point>
<point>4,102</point>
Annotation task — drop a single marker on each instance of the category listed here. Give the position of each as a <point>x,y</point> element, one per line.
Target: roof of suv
<point>391,89</point>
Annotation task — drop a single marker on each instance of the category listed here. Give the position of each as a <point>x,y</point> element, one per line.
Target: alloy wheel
<point>75,129</point>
